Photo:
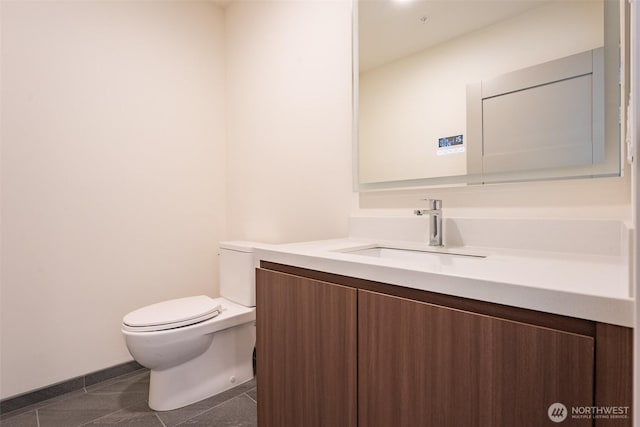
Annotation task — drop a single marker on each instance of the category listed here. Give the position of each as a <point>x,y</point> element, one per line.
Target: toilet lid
<point>173,313</point>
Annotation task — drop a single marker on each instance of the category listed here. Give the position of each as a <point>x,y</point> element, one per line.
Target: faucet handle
<point>434,204</point>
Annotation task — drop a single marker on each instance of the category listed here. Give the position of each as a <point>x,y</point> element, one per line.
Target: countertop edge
<point>617,311</point>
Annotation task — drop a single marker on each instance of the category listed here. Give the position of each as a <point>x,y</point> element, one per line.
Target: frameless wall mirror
<point>468,92</point>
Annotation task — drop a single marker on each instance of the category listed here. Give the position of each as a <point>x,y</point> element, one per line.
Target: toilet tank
<point>237,272</point>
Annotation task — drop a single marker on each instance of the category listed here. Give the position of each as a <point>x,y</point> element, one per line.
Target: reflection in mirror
<point>421,123</point>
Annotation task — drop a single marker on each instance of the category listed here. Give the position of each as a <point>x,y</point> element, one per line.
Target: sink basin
<point>412,254</point>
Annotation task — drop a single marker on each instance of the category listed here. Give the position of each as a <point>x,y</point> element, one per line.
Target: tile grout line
<point>107,414</point>
<point>34,401</point>
<point>252,399</point>
<point>134,377</point>
<point>160,419</point>
<point>210,409</point>
<point>60,399</point>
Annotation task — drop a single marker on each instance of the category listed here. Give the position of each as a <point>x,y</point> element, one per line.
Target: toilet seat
<point>172,314</point>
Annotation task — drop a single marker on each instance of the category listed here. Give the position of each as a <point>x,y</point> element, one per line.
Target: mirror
<point>427,110</point>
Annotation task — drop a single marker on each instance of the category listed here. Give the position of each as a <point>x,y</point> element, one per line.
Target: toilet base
<point>226,363</point>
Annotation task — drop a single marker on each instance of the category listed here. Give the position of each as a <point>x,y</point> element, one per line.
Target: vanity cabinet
<point>306,352</point>
<point>340,351</point>
<point>425,365</point>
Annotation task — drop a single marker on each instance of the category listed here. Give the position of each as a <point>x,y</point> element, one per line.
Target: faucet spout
<point>435,220</point>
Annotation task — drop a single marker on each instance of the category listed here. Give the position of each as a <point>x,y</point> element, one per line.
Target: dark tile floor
<point>122,401</point>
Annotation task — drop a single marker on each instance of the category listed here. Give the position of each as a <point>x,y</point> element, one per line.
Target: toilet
<point>196,347</point>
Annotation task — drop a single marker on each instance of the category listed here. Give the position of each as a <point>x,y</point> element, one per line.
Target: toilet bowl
<point>198,346</point>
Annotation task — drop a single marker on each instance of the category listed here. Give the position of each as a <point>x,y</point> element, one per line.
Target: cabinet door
<point>306,352</point>
<point>426,365</point>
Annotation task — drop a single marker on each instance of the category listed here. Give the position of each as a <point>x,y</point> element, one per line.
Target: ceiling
<point>391,29</point>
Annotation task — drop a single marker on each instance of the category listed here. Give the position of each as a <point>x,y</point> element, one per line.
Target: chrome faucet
<point>435,220</point>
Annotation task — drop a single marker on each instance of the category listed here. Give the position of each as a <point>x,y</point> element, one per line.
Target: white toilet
<point>198,346</point>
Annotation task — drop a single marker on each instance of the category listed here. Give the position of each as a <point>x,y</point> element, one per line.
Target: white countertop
<point>593,287</point>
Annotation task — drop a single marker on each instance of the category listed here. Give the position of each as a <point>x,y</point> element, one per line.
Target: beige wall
<point>289,119</point>
<point>135,136</point>
<point>602,198</point>
<point>113,175</point>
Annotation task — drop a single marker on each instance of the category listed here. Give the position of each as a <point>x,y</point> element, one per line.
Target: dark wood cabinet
<point>306,352</point>
<point>613,377</point>
<point>339,351</point>
<point>425,365</point>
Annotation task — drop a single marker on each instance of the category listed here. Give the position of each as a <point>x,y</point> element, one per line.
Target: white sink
<point>417,255</point>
